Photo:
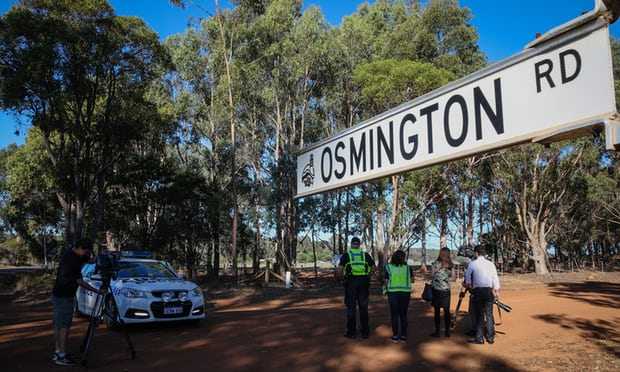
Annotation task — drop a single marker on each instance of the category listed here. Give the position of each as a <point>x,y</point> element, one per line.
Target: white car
<point>144,290</point>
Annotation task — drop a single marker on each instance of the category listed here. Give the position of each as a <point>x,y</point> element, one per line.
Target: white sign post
<point>548,91</point>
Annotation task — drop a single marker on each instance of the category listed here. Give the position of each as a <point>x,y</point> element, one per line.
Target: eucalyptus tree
<point>539,181</point>
<point>29,207</point>
<point>79,72</point>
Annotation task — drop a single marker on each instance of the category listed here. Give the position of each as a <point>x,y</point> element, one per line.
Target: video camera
<point>106,264</point>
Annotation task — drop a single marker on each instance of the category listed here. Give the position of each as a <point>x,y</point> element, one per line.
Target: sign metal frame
<point>553,40</point>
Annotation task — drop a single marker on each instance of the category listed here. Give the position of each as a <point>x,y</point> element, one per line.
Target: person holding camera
<point>481,277</point>
<point>68,278</point>
<point>357,266</point>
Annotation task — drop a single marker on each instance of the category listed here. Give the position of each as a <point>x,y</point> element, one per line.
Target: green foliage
<point>161,146</point>
<point>14,252</point>
<point>387,83</point>
<point>79,72</point>
<point>30,208</point>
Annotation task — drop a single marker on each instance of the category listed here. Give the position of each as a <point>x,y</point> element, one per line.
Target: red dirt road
<point>564,326</point>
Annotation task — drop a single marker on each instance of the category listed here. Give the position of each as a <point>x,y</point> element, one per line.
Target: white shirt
<point>481,273</point>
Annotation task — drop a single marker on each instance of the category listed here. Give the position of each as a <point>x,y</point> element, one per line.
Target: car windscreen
<point>143,270</point>
<point>88,270</point>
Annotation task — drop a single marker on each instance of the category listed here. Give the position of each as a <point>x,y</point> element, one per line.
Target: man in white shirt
<point>481,277</point>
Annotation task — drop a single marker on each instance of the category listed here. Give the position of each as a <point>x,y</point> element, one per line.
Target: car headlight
<point>196,292</point>
<point>133,293</point>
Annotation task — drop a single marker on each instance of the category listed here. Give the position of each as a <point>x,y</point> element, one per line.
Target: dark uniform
<point>357,267</point>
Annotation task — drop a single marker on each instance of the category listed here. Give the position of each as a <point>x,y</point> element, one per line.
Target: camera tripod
<point>96,317</point>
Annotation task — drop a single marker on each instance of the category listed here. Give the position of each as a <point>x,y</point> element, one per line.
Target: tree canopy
<point>187,146</point>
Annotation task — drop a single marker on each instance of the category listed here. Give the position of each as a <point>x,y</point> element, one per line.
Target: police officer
<point>357,266</point>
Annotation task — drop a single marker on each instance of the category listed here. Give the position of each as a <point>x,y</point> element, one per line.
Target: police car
<point>144,290</point>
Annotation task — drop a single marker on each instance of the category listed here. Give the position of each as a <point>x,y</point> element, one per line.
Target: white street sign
<point>562,83</point>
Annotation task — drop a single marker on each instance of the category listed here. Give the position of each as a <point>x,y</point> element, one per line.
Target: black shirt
<point>69,272</point>
<point>344,260</point>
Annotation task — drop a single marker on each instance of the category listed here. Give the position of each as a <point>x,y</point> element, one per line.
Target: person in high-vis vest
<point>398,280</point>
<point>357,266</point>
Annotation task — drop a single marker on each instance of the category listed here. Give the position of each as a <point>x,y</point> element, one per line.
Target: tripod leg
<point>458,308</point>
<point>499,311</point>
<point>92,325</point>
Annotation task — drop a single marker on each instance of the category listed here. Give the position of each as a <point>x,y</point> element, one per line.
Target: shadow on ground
<point>592,292</point>
<point>295,331</point>
<point>601,332</point>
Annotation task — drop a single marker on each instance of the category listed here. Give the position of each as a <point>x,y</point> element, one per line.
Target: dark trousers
<point>441,300</point>
<point>356,295</point>
<point>483,308</point>
<point>399,305</point>
<point>472,313</point>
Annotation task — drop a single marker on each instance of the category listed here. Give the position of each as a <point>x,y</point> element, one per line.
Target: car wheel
<point>111,316</point>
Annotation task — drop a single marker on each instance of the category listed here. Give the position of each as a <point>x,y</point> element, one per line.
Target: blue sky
<point>504,26</point>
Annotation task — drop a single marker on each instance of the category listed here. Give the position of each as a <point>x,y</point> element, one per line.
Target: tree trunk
<point>233,243</point>
<point>539,249</point>
<point>339,222</point>
<point>443,230</point>
<point>231,117</point>
<point>316,272</point>
<point>539,255</point>
<point>216,251</point>
<point>255,257</point>
<point>382,246</point>
<point>470,219</point>
<point>423,239</point>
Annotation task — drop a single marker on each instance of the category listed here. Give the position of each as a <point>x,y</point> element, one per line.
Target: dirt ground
<point>569,323</point>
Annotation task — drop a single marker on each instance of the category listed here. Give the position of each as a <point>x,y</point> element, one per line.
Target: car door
<point>89,297</point>
<point>81,295</point>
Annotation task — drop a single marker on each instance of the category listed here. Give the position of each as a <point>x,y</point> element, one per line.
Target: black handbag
<point>427,293</point>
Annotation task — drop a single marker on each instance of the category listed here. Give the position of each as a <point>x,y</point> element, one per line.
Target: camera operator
<point>68,278</point>
<point>481,277</point>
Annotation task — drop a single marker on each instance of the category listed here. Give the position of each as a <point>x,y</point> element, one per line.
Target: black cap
<point>356,242</point>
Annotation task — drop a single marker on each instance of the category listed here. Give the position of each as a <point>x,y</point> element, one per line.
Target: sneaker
<point>54,356</point>
<point>403,338</point>
<point>394,338</point>
<point>64,361</point>
<point>491,341</point>
<point>470,333</point>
